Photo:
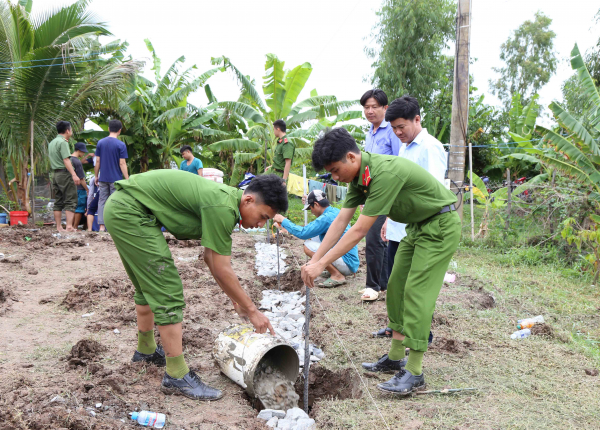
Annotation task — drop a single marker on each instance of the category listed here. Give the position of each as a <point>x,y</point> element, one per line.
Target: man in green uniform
<point>404,192</point>
<point>284,152</point>
<point>64,178</point>
<point>189,207</point>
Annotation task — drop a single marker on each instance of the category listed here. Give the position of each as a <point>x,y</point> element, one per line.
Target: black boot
<point>189,386</point>
<point>403,383</point>
<point>157,357</point>
<point>385,365</point>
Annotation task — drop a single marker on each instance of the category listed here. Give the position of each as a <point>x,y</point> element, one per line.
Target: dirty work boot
<point>157,357</point>
<point>385,365</point>
<point>403,383</point>
<point>190,386</point>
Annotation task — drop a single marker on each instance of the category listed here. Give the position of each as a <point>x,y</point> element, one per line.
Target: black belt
<point>446,209</point>
<point>60,170</point>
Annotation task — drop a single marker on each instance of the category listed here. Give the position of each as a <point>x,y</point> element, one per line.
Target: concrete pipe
<point>239,351</point>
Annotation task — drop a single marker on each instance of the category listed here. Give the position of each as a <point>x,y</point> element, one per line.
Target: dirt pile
<point>289,281</point>
<point>7,297</point>
<point>452,346</point>
<point>83,296</point>
<point>83,352</point>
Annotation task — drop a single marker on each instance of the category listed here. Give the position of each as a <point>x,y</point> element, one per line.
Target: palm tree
<point>281,88</point>
<point>48,72</point>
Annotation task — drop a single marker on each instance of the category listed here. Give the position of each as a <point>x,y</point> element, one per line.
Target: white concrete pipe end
<point>239,350</point>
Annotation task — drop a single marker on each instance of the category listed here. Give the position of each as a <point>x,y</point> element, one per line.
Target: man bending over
<point>189,207</point>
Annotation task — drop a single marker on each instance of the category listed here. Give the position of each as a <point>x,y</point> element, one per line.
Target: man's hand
<point>96,180</point>
<point>310,272</point>
<point>384,231</point>
<point>75,179</point>
<point>260,322</point>
<point>267,168</point>
<point>304,199</point>
<point>278,218</point>
<point>361,208</point>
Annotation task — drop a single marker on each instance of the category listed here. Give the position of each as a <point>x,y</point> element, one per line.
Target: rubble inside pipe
<point>266,259</point>
<point>273,389</point>
<point>286,313</point>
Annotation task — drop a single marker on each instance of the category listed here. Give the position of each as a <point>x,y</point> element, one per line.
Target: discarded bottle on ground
<point>149,419</point>
<point>530,322</point>
<point>521,334</point>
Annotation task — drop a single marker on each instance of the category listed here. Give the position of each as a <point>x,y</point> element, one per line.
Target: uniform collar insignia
<point>366,177</point>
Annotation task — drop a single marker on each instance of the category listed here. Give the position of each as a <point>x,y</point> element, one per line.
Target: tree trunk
<point>22,184</point>
<point>144,161</point>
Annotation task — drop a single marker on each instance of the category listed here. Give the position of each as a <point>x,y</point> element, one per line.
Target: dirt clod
<point>85,351</point>
<point>591,372</point>
<point>289,281</point>
<point>75,257</point>
<point>451,346</point>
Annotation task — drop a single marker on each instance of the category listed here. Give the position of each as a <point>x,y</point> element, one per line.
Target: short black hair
<point>63,126</point>
<point>271,190</point>
<point>377,94</point>
<point>114,125</point>
<point>280,124</point>
<point>406,107</point>
<point>323,203</point>
<point>333,146</point>
<point>185,148</point>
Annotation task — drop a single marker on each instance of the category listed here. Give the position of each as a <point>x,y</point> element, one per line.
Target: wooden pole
<point>31,171</point>
<point>304,192</point>
<point>471,191</point>
<point>460,101</point>
<point>508,200</point>
<point>268,226</point>
<point>551,208</point>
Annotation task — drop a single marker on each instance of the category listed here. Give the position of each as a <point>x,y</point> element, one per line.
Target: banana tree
<point>574,149</point>
<point>157,117</point>
<point>281,89</point>
<point>48,73</point>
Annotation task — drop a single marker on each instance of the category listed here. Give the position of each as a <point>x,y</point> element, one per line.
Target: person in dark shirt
<point>111,166</point>
<point>82,189</point>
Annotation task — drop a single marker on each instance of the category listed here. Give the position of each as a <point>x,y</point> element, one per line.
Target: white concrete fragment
<point>286,424</point>
<point>87,315</point>
<point>295,414</point>
<point>265,414</point>
<point>272,422</point>
<point>305,424</point>
<point>278,413</point>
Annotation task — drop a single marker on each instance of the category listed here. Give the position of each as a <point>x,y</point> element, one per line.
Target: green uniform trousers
<point>417,276</point>
<point>65,191</point>
<point>146,257</point>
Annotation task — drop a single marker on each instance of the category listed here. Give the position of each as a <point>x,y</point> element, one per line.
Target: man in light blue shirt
<point>380,139</point>
<point>318,204</point>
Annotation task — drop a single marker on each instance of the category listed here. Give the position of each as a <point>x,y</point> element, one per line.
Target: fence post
<point>508,200</point>
<point>551,207</point>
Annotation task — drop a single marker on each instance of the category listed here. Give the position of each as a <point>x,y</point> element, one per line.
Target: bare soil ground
<point>56,365</point>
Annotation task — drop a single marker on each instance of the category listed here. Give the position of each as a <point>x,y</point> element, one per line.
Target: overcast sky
<point>329,34</point>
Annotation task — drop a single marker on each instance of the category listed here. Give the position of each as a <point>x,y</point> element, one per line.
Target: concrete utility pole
<point>460,100</point>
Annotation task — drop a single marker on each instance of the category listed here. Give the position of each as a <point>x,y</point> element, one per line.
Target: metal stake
<point>306,348</point>
<point>278,276</point>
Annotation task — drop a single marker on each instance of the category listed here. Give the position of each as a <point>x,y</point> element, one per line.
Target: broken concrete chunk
<point>305,424</point>
<point>272,422</point>
<point>295,414</point>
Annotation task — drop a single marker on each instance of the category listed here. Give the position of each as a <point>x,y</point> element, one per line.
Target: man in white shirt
<point>425,150</point>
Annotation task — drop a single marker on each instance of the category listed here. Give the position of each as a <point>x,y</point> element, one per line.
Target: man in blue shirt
<point>380,139</point>
<point>190,163</point>
<point>319,206</point>
<point>111,166</point>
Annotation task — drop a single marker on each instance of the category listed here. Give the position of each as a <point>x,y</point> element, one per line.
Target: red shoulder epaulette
<point>285,140</point>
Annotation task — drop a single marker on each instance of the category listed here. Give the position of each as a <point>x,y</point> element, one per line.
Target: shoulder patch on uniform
<point>285,140</point>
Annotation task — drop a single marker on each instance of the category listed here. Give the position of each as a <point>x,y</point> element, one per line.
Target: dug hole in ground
<point>59,370</point>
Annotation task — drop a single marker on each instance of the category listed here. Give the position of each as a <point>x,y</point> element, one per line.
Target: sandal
<point>370,295</point>
<point>384,332</point>
<point>331,283</point>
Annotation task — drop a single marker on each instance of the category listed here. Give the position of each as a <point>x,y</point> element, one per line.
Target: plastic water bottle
<point>149,419</point>
<point>521,334</point>
<point>530,322</point>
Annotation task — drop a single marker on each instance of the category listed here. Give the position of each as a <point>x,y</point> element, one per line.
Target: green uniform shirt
<point>398,188</point>
<point>58,150</point>
<point>188,206</point>
<point>283,151</point>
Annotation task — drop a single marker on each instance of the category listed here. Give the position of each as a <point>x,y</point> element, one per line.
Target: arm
<point>123,167</point>
<point>315,228</point>
<point>335,231</point>
<point>84,185</point>
<point>346,243</point>
<point>69,167</point>
<point>286,169</point>
<point>200,171</point>
<point>220,267</point>
<point>97,170</point>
